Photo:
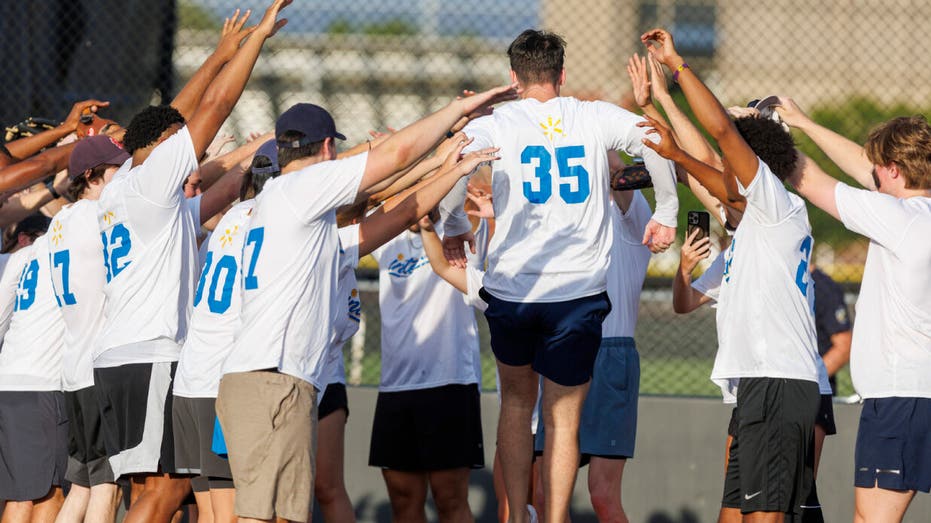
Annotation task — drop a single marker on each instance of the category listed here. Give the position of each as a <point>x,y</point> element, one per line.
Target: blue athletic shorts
<point>894,444</point>
<point>609,418</point>
<point>560,340</point>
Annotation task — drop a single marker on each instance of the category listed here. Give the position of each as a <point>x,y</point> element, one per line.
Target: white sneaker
<point>533,514</point>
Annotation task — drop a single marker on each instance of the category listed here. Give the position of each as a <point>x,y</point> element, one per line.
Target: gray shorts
<point>33,443</point>
<point>193,421</point>
<point>87,453</point>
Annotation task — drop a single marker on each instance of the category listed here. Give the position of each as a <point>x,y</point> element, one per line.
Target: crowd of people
<point>173,320</point>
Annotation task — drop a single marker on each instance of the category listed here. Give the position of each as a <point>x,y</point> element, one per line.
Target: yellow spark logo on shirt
<point>108,217</point>
<point>551,128</point>
<point>56,233</point>
<point>227,237</point>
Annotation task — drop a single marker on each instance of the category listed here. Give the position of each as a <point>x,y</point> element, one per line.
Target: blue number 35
<point>565,171</point>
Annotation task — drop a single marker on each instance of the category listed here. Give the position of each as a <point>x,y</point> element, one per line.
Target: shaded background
<point>377,63</point>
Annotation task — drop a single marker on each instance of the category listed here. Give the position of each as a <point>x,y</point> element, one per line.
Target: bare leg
<point>204,507</point>
<point>330,485</point>
<point>408,494</point>
<point>498,482</point>
<point>764,517</point>
<point>45,510</point>
<point>222,502</point>
<point>562,411</point>
<point>104,502</point>
<point>604,487</point>
<point>820,434</point>
<point>160,499</point>
<point>727,514</point>
<point>75,505</point>
<point>879,504</point>
<point>518,397</point>
<point>450,490</point>
<point>16,512</point>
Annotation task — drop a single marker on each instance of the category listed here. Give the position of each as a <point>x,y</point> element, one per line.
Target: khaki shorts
<point>269,420</point>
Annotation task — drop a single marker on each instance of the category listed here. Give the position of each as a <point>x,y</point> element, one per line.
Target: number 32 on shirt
<point>573,179</point>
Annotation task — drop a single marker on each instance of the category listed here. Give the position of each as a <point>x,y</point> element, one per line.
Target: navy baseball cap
<point>269,150</point>
<point>93,151</point>
<point>312,120</point>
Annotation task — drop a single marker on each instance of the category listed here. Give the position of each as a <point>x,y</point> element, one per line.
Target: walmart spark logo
<point>227,238</point>
<point>108,217</point>
<point>56,233</point>
<point>551,128</point>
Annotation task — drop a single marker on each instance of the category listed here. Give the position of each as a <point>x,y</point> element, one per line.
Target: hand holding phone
<point>699,220</point>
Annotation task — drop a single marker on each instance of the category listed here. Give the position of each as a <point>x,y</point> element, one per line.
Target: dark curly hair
<point>148,125</point>
<point>770,142</point>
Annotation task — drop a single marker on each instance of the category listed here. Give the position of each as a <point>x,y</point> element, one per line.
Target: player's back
<point>551,196</point>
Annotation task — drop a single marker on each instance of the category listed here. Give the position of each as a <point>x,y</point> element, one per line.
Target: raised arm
<point>221,194</point>
<point>25,173</point>
<point>847,154</point>
<point>686,298</point>
<point>26,147</point>
<point>224,91</point>
<point>432,245</point>
<point>405,209</point>
<point>213,170</point>
<point>383,190</point>
<point>815,185</point>
<point>738,156</point>
<point>22,204</point>
<point>410,143</point>
<point>640,86</point>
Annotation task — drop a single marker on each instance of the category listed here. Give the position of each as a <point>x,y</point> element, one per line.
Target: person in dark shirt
<point>832,323</point>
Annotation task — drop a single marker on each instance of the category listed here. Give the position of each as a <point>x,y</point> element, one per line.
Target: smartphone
<point>699,220</point>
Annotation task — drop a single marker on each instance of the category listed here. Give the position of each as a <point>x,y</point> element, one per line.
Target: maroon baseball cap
<point>93,151</point>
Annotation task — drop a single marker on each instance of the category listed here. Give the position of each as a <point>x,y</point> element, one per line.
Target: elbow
<point>679,308</point>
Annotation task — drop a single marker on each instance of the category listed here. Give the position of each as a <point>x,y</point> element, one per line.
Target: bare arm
<point>26,147</point>
<point>415,172</point>
<point>815,185</point>
<point>847,154</point>
<point>211,171</point>
<point>25,173</point>
<point>685,298</point>
<point>709,111</point>
<point>839,353</point>
<point>438,262</point>
<point>221,194</point>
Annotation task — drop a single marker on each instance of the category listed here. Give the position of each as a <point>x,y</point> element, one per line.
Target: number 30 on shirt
<point>574,185</point>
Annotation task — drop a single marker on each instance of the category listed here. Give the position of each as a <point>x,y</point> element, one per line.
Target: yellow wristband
<point>682,67</point>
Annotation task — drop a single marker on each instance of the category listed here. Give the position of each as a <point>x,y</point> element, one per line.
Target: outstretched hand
<point>667,146</point>
<point>454,249</point>
<point>233,34</point>
<point>270,23</point>
<point>482,201</point>
<point>484,100</point>
<point>658,237</point>
<point>471,161</point>
<point>453,155</point>
<point>657,78</point>
<point>81,108</point>
<point>639,79</point>
<point>661,46</point>
<point>790,112</point>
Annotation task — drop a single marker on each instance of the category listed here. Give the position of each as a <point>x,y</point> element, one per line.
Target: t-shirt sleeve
<point>473,285</point>
<point>709,283</point>
<point>768,200</point>
<point>193,209</point>
<point>619,131</point>
<point>481,131</point>
<point>830,309</point>
<point>349,246</point>
<point>8,283</point>
<point>880,217</point>
<point>452,210</point>
<point>166,168</point>
<point>634,221</point>
<point>322,187</point>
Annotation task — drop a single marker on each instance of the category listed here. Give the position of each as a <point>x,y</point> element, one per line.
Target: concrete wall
<point>676,477</point>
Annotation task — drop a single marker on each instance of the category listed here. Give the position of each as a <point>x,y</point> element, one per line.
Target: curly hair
<point>148,125</point>
<point>906,142</point>
<point>770,142</point>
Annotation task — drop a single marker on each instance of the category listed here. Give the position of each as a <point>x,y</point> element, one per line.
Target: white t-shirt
<point>150,256</point>
<point>9,283</point>
<point>217,307</point>
<point>289,266</point>
<point>628,268</point>
<point>33,344</point>
<point>891,351</point>
<point>428,333</point>
<point>709,284</point>
<point>78,278</point>
<point>347,323</point>
<point>765,317</point>
<point>551,195</point>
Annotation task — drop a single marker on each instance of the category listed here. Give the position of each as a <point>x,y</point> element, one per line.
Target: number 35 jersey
<point>149,246</point>
<point>78,277</point>
<point>766,323</point>
<point>550,187</point>
<point>217,304</point>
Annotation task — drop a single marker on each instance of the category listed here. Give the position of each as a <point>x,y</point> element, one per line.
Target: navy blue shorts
<point>560,340</point>
<point>894,444</point>
<point>609,417</point>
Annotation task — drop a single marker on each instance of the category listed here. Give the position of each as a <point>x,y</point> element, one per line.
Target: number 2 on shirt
<point>801,275</point>
<point>255,238</point>
<point>567,173</point>
<point>116,246</point>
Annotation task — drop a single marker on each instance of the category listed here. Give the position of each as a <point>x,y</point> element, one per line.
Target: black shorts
<point>894,444</point>
<point>334,398</point>
<point>193,421</point>
<point>560,340</point>
<point>33,443</point>
<point>135,410</point>
<point>772,455</point>
<point>88,465</point>
<point>428,429</point>
<point>825,418</point>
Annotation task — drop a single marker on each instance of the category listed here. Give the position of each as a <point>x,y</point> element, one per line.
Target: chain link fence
<point>375,63</point>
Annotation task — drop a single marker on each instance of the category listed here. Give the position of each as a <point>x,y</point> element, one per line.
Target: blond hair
<point>905,141</point>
